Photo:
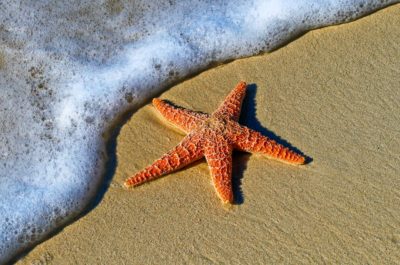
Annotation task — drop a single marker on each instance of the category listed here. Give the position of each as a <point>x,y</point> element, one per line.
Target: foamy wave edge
<point>67,70</point>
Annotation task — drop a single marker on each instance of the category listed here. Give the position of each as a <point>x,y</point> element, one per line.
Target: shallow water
<point>67,70</point>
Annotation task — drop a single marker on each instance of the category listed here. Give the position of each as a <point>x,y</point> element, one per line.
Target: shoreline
<point>284,102</point>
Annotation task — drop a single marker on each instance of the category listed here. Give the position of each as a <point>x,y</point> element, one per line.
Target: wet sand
<point>333,94</point>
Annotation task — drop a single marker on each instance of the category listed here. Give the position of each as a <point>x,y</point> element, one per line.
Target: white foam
<point>67,69</point>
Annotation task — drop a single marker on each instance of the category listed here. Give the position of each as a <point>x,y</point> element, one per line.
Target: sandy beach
<point>333,94</point>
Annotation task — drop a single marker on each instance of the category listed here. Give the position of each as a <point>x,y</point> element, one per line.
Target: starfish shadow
<point>248,118</point>
<point>239,166</point>
<point>179,107</point>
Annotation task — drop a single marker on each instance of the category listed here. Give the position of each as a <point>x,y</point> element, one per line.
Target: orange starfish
<point>213,137</point>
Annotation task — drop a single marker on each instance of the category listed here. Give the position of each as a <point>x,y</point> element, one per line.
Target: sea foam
<point>69,68</point>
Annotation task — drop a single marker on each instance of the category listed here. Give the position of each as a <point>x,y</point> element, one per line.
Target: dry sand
<point>334,94</point>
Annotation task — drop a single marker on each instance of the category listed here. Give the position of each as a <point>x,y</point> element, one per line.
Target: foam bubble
<point>67,69</point>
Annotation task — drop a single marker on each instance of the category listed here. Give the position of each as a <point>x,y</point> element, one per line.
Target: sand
<point>333,94</point>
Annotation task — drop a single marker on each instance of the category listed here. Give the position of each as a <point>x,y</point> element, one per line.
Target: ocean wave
<point>68,69</point>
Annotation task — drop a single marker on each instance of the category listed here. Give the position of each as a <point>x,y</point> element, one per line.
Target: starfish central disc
<point>215,124</point>
<point>213,137</point>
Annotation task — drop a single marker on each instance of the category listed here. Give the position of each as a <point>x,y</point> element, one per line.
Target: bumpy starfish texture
<point>213,137</point>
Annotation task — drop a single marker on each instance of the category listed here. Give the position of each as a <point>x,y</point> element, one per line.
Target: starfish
<point>213,136</point>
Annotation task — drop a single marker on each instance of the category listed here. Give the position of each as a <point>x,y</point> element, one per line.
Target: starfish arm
<point>185,119</point>
<point>187,151</point>
<point>232,104</point>
<point>218,153</point>
<point>248,140</point>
